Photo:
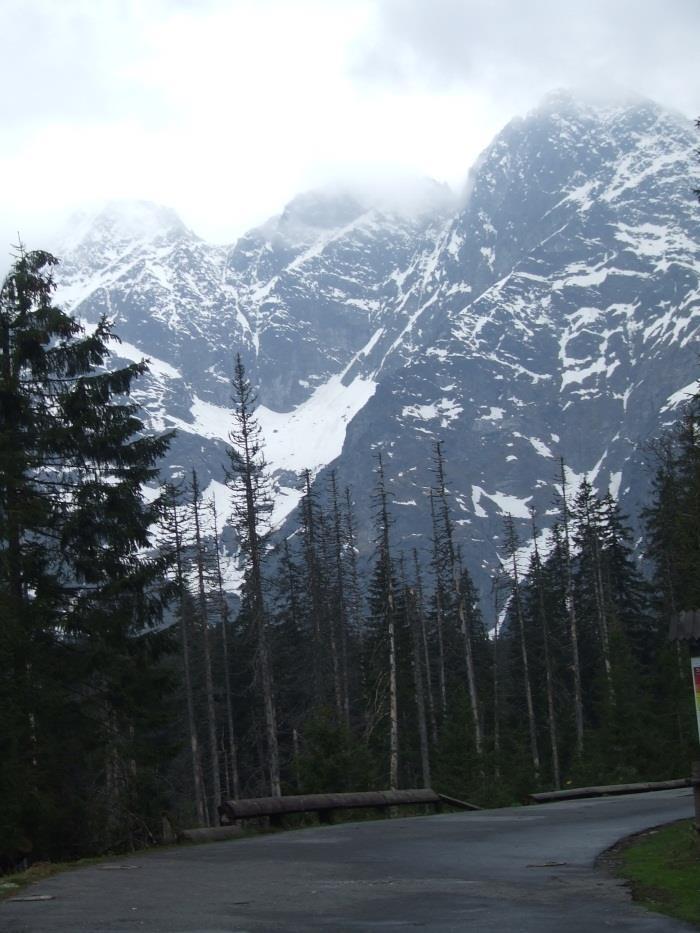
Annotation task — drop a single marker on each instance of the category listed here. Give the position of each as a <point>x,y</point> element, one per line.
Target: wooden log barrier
<point>607,790</point>
<point>275,808</point>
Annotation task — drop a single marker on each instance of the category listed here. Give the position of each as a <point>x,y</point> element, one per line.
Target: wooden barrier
<point>607,790</point>
<point>276,808</point>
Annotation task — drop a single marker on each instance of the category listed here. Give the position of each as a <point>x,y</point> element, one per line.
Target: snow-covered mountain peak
<point>326,210</point>
<point>596,104</point>
<point>318,211</point>
<point>555,311</point>
<point>115,224</point>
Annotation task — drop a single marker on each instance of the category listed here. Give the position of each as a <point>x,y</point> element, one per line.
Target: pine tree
<point>572,612</point>
<point>231,754</point>
<point>75,587</point>
<point>424,646</point>
<point>338,604</point>
<point>173,529</point>
<point>354,600</point>
<point>439,600</point>
<point>589,575</point>
<point>412,608</point>
<point>464,600</point>
<point>536,576</point>
<point>383,600</point>
<point>203,612</point>
<point>247,477</point>
<point>510,548</point>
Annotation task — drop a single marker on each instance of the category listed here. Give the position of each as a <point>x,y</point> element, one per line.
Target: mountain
<point>552,311</point>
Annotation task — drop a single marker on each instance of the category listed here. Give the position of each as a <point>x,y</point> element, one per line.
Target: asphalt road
<point>525,870</point>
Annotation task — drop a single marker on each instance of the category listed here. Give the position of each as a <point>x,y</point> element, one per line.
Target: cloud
<point>515,51</point>
<point>61,61</point>
<point>225,109</point>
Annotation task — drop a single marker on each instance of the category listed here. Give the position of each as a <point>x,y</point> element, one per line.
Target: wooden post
<point>695,780</point>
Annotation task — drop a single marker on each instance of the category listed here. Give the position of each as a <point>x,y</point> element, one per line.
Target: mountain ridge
<point>552,311</point>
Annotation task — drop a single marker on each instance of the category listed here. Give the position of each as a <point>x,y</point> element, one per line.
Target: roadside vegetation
<point>663,870</point>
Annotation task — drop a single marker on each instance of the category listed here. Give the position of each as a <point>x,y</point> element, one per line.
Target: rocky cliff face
<point>554,311</point>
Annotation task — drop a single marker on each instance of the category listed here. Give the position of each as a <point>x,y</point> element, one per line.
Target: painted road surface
<point>517,870</point>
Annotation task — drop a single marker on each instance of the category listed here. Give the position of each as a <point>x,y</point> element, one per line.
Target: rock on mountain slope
<point>554,311</point>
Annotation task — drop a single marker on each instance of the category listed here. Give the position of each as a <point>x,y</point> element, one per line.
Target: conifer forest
<point>132,684</point>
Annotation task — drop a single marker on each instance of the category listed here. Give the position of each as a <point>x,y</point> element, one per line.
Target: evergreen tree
<point>463,595</point>
<point>200,560</point>
<point>510,548</point>
<point>247,477</point>
<point>571,609</point>
<point>538,585</point>
<point>440,599</point>
<point>383,608</point>
<point>591,596</point>
<point>173,536</point>
<point>79,662</point>
<point>231,749</point>
<point>413,623</point>
<point>338,608</point>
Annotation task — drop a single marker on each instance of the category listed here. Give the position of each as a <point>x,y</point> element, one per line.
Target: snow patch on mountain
<point>505,503</point>
<point>682,395</point>
<point>158,368</point>
<point>312,435</point>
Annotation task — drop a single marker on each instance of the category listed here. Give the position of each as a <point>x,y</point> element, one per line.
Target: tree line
<point>130,684</point>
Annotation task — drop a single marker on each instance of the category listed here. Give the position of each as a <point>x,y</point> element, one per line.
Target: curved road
<point>525,870</point>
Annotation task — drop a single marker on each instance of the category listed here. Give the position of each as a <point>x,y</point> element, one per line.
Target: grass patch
<point>662,867</point>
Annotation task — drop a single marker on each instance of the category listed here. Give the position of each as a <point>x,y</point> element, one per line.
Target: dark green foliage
<point>81,684</point>
<point>673,519</point>
<point>332,759</point>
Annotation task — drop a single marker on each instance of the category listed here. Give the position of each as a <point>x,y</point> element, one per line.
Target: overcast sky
<point>224,109</point>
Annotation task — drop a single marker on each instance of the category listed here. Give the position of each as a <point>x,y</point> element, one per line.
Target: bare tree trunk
<point>573,626</point>
<point>455,573</point>
<point>232,768</point>
<point>313,584</point>
<point>442,681</point>
<point>496,689</point>
<point>342,608</point>
<point>393,702</point>
<point>426,651</point>
<point>599,592</point>
<point>335,655</point>
<point>549,680</point>
<point>295,747</point>
<point>354,616</point>
<point>251,504</point>
<point>386,577</point>
<point>199,796</point>
<point>270,711</point>
<point>223,756</point>
<point>206,649</point>
<point>532,725</point>
<point>471,675</point>
<point>418,686</point>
